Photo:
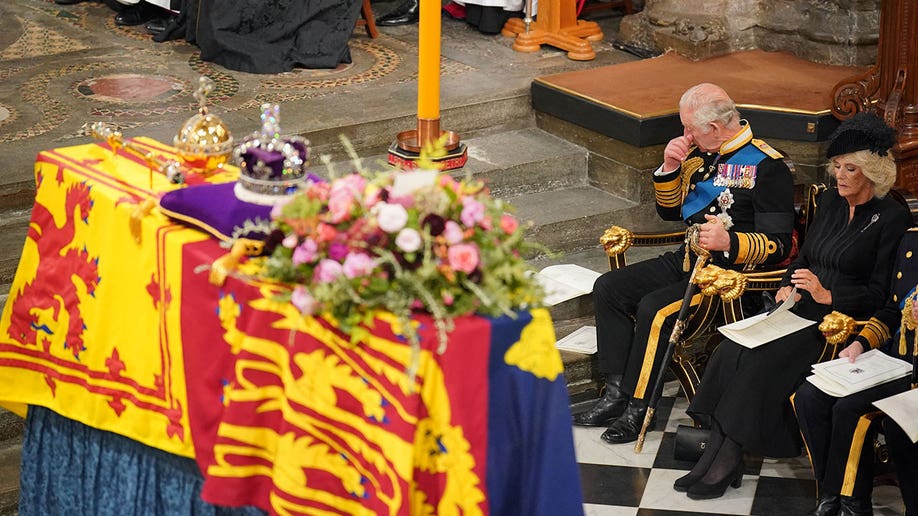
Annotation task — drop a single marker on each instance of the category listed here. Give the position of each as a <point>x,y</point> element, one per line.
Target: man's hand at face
<point>676,151</point>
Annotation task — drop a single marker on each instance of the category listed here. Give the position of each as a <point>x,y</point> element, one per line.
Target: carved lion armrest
<point>616,240</point>
<point>837,328</point>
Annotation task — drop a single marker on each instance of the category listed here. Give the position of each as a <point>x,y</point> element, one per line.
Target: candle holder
<point>406,150</point>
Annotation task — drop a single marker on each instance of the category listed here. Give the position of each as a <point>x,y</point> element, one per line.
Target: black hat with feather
<point>863,131</point>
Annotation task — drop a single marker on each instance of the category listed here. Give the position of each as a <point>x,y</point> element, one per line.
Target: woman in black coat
<point>845,264</point>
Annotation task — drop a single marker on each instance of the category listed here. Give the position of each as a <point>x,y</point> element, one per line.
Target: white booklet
<point>840,377</point>
<point>581,340</point>
<point>903,408</point>
<point>766,327</point>
<point>565,281</point>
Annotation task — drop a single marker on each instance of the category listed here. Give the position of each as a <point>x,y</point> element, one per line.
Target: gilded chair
<point>721,290</point>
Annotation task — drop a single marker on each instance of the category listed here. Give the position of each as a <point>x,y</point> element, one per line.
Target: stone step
<point>14,225</point>
<point>11,427</point>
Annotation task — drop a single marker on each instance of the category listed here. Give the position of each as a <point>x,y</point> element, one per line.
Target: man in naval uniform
<point>839,441</point>
<point>740,191</point>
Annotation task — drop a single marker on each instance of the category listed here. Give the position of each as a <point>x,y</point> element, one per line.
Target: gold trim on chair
<point>728,284</point>
<point>616,240</point>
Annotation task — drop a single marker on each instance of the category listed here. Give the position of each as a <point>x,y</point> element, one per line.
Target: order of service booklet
<point>581,340</point>
<point>841,377</point>
<point>768,326</point>
<point>903,408</point>
<point>565,281</point>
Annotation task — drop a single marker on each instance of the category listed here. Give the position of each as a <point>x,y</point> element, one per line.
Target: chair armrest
<point>837,328</point>
<point>616,240</point>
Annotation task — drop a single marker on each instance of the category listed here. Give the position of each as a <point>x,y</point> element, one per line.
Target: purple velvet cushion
<point>215,209</point>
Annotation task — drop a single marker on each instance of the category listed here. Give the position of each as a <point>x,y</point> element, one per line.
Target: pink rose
<point>340,203</point>
<point>472,211</point>
<point>358,265</point>
<point>508,223</point>
<point>392,217</point>
<point>305,252</point>
<point>327,271</point>
<point>303,301</point>
<point>452,232</point>
<point>408,240</point>
<point>463,257</point>
<point>337,251</point>
<point>326,232</point>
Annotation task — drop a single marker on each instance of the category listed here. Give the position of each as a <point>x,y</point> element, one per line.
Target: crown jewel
<point>272,167</point>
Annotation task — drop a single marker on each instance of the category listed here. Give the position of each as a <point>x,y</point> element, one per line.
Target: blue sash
<point>705,191</point>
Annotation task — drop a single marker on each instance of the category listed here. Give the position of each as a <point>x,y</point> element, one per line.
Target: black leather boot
<point>404,14</point>
<point>626,428</point>
<point>607,408</point>
<point>828,505</point>
<point>855,506</point>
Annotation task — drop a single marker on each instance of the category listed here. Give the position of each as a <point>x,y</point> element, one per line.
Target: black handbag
<point>690,442</point>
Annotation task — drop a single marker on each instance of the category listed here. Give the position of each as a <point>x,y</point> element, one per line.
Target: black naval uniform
<point>636,307</point>
<point>838,439</point>
<point>904,454</point>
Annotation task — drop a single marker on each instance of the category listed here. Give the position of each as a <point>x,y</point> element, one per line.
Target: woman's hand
<point>713,235</point>
<point>852,351</point>
<point>804,279</point>
<point>783,292</point>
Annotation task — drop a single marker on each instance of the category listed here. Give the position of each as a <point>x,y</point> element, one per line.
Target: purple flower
<point>392,217</point>
<point>358,265</point>
<point>435,223</point>
<point>327,271</point>
<point>305,252</point>
<point>303,301</point>
<point>472,211</point>
<point>337,251</point>
<point>408,240</point>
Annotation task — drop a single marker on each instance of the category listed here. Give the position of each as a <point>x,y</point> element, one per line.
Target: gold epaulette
<point>767,149</point>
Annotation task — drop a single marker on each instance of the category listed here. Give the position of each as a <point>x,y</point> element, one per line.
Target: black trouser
<point>636,308</point>
<point>904,454</point>
<point>840,443</point>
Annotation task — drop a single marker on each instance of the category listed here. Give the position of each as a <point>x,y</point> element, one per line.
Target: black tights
<point>721,457</point>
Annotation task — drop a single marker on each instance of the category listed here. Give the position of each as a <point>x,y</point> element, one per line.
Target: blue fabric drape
<point>73,469</point>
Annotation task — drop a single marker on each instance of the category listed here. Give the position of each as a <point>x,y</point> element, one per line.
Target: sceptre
<point>691,245</point>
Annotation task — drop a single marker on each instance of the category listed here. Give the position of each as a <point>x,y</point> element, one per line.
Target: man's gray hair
<point>708,103</point>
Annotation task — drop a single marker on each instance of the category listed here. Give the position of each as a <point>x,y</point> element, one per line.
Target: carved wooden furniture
<point>586,6</point>
<point>557,26</point>
<point>367,20</point>
<point>890,87</point>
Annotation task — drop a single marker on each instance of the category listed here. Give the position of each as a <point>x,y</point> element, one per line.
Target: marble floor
<point>618,482</point>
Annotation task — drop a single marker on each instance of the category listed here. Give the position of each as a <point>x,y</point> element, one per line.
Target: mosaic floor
<point>618,482</point>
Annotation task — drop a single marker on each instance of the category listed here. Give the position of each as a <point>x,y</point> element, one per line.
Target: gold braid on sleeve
<point>836,327</point>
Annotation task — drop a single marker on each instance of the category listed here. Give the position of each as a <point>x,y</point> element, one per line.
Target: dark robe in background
<point>267,36</point>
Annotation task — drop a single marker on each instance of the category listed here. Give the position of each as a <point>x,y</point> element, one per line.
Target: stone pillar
<point>843,32</point>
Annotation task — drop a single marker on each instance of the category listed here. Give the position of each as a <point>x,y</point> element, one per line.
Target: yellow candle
<point>429,60</point>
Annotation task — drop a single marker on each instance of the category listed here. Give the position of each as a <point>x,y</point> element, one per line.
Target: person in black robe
<point>267,36</point>
<point>845,264</point>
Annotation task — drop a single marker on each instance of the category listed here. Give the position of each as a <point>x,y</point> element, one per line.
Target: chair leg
<point>369,20</point>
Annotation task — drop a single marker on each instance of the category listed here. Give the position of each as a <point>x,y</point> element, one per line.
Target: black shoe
<point>404,14</point>
<point>626,428</point>
<point>136,15</point>
<point>828,506</point>
<point>683,483</point>
<point>855,506</point>
<point>156,25</point>
<point>606,409</point>
<point>703,491</point>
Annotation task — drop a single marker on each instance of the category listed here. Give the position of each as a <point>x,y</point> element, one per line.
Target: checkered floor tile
<point>618,482</point>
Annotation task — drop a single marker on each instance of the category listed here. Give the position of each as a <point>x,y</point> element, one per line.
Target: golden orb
<point>204,142</point>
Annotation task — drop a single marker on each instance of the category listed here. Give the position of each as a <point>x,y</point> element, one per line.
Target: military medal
<point>736,176</point>
<point>725,201</point>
